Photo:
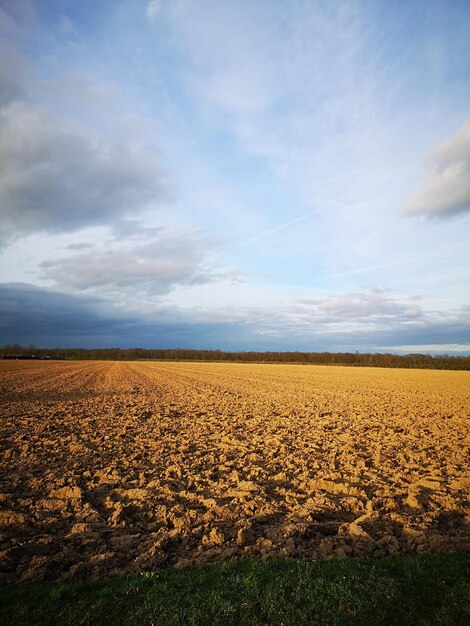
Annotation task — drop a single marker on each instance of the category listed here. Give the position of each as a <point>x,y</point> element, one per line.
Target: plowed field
<point>113,467</point>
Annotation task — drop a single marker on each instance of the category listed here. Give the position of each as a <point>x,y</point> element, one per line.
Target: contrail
<point>280,227</point>
<point>306,216</point>
<point>271,231</point>
<point>296,220</point>
<point>276,229</point>
<point>369,268</point>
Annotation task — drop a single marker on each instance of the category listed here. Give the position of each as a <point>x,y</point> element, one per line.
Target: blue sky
<point>235,175</point>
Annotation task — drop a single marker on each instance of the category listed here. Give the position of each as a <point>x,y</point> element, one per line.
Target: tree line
<point>424,361</point>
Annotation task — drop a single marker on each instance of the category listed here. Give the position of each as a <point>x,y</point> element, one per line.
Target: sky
<point>270,175</point>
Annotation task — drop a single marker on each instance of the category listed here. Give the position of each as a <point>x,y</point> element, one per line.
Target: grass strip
<point>413,589</point>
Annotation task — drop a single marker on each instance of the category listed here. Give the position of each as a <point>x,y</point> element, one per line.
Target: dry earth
<point>122,467</point>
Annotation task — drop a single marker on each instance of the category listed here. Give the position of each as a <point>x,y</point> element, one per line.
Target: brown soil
<point>123,467</point>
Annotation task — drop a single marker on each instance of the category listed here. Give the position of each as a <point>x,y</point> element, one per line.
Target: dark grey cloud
<point>45,317</point>
<point>48,318</point>
<point>130,228</point>
<point>56,176</point>
<point>58,173</point>
<point>29,314</point>
<point>447,190</point>
<point>452,331</point>
<point>151,268</point>
<point>80,246</point>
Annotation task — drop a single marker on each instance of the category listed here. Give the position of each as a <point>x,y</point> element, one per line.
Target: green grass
<point>417,590</point>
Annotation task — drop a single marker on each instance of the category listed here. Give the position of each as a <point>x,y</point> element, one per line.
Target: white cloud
<point>447,190</point>
<point>145,269</point>
<point>152,9</point>
<point>66,27</point>
<point>367,319</point>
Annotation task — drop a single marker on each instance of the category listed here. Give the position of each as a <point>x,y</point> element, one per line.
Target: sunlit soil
<point>123,467</point>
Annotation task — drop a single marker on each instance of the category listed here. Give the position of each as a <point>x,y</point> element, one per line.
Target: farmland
<point>110,467</point>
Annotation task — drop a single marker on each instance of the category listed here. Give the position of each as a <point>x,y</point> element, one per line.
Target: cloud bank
<point>45,317</point>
